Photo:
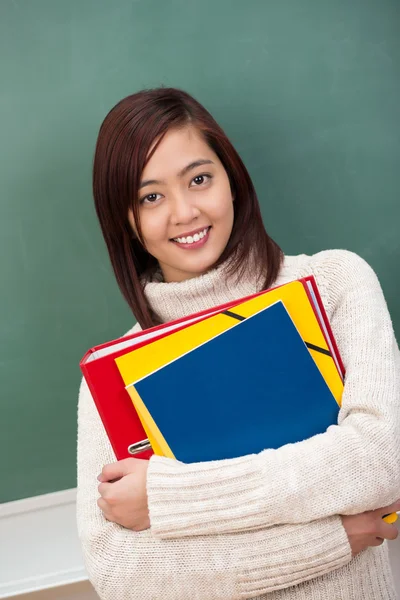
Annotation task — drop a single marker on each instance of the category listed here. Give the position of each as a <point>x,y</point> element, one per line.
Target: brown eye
<point>200,179</point>
<point>150,199</point>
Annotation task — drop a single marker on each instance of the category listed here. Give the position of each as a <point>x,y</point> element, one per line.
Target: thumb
<point>114,471</point>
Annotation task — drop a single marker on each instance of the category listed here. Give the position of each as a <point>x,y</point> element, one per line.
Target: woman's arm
<point>137,566</point>
<point>353,467</point>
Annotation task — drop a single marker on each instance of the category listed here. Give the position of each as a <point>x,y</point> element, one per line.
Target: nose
<point>183,210</point>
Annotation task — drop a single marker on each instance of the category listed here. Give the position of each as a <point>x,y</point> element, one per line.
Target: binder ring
<point>139,447</point>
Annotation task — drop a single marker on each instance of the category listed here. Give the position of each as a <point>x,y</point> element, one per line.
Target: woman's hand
<point>123,496</point>
<point>369,529</point>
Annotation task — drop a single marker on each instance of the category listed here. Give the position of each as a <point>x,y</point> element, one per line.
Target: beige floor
<point>74,591</point>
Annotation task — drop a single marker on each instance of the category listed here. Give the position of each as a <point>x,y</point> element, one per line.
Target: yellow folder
<point>141,362</point>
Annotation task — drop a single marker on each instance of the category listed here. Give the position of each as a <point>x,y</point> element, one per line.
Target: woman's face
<point>185,205</point>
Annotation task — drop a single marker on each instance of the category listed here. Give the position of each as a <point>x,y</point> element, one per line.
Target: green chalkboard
<point>309,93</point>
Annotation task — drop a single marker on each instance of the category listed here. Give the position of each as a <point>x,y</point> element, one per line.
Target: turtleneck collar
<point>175,300</point>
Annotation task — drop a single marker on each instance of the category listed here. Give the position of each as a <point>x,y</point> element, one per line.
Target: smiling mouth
<point>192,239</point>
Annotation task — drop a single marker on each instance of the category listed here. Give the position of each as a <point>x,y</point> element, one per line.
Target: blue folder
<point>253,387</point>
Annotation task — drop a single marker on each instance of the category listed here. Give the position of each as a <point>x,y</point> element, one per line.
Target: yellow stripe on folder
<point>156,439</point>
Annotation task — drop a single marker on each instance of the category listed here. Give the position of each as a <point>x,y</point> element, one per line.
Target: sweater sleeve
<point>352,467</point>
<point>138,566</point>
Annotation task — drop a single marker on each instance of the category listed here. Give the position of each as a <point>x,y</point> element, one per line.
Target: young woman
<point>183,228</point>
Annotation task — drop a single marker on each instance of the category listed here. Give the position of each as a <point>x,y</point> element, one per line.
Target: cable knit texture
<point>262,526</point>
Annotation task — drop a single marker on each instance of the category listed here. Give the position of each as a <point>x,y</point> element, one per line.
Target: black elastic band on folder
<point>228,313</point>
<point>317,349</point>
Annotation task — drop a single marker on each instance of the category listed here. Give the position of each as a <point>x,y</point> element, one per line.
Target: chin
<point>200,267</point>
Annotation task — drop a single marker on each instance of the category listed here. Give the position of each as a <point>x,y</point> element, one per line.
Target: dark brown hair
<point>134,126</point>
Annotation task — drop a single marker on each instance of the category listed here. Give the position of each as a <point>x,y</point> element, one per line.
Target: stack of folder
<point>255,373</point>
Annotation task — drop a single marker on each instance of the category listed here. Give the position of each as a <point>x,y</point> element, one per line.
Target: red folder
<point>113,403</point>
<point>311,288</point>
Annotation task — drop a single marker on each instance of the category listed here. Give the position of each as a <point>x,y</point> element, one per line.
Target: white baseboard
<point>40,548</point>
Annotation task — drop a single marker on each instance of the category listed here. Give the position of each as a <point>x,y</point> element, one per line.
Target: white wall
<point>395,560</point>
<point>39,544</point>
<point>40,554</point>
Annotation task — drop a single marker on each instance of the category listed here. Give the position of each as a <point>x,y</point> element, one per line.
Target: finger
<point>104,489</point>
<point>113,471</point>
<point>105,509</point>
<point>109,472</point>
<point>102,504</point>
<point>388,532</point>
<point>377,541</point>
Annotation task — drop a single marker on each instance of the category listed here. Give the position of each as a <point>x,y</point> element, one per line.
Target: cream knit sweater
<point>263,526</point>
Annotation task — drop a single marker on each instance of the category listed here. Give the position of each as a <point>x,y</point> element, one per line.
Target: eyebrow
<point>189,167</point>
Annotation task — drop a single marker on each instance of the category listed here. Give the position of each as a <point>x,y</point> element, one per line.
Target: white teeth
<point>190,239</point>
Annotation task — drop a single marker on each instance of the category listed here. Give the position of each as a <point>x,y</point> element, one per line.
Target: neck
<point>175,300</point>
